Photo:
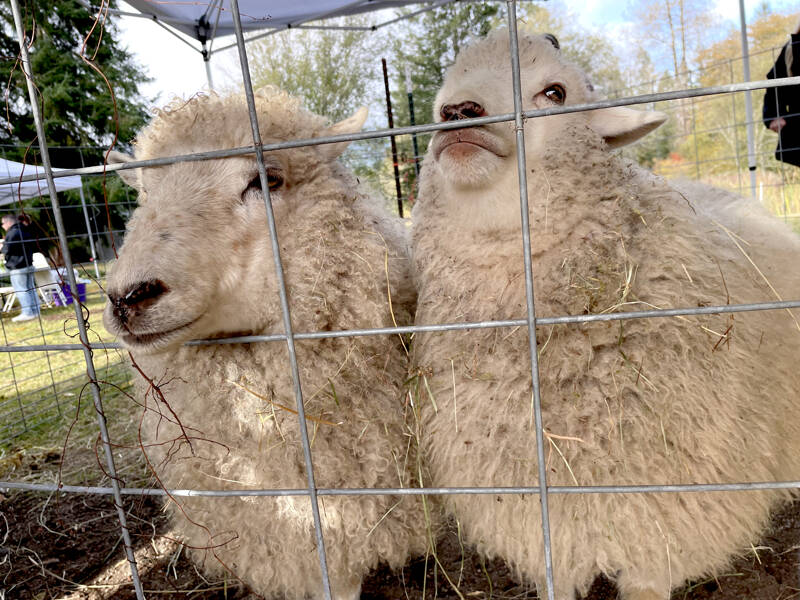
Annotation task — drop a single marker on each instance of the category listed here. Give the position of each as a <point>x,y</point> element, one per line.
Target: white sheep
<point>694,399</point>
<point>197,263</point>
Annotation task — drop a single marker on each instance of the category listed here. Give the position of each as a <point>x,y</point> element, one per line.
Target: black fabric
<point>18,247</point>
<point>785,102</point>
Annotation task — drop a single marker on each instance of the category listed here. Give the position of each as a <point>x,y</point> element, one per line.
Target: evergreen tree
<point>77,61</point>
<point>334,71</point>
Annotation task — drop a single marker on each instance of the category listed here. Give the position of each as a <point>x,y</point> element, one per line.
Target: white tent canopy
<point>207,20</point>
<point>12,193</point>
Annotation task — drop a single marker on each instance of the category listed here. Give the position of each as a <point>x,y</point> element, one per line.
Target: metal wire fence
<point>706,94</point>
<point>34,388</point>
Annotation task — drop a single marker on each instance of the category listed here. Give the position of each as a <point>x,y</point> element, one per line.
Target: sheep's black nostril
<point>137,298</point>
<point>141,293</point>
<point>464,110</point>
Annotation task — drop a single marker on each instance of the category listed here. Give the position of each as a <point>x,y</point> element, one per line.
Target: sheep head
<point>197,259</point>
<point>479,84</point>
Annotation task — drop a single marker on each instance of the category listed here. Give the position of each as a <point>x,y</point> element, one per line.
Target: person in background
<point>781,111</point>
<point>18,248</point>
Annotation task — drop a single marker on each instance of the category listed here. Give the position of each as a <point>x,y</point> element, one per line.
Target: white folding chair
<point>47,282</point>
<point>8,295</point>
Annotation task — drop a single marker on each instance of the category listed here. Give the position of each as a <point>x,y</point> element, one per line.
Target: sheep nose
<point>464,110</point>
<point>136,299</point>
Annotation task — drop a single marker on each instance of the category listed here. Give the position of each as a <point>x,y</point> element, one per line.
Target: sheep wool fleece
<point>223,416</point>
<point>691,399</point>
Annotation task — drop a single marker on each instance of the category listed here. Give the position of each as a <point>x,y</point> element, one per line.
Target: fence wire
<point>696,95</point>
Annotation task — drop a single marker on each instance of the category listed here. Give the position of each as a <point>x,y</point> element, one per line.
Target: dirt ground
<point>68,547</point>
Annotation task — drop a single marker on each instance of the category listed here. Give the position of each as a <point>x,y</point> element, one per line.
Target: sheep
<point>197,263</point>
<point>693,399</point>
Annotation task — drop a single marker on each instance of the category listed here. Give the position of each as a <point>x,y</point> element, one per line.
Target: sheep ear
<point>129,176</point>
<point>351,124</point>
<point>553,40</point>
<point>620,126</point>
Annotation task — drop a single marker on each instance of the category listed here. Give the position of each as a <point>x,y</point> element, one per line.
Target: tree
<point>674,32</point>
<point>721,121</point>
<point>720,143</point>
<point>334,71</point>
<point>593,52</point>
<point>88,93</point>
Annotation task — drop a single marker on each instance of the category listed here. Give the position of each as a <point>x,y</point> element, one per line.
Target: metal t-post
<point>748,102</point>
<point>412,120</point>
<point>394,144</point>
<point>62,238</point>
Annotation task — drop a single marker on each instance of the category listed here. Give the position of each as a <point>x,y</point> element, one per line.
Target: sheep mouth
<point>155,339</point>
<point>462,138</point>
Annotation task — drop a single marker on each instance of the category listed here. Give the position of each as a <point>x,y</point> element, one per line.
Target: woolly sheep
<point>694,399</point>
<point>197,263</point>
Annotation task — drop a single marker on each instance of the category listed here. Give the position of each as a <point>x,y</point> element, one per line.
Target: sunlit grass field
<point>47,409</point>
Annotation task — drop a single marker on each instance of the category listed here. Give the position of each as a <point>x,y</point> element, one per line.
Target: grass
<point>47,417</point>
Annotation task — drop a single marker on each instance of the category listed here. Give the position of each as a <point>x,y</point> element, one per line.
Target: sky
<point>604,13</point>
<point>178,70</point>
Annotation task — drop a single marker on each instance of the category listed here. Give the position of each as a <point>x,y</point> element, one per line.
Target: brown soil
<point>69,547</point>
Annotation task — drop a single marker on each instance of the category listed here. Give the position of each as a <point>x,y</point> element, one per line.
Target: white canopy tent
<point>204,22</point>
<point>12,194</point>
<point>208,20</point>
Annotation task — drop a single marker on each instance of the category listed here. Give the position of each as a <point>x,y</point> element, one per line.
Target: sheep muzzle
<point>477,138</point>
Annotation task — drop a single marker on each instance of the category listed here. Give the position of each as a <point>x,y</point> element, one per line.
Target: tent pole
<point>89,232</point>
<point>207,61</point>
<point>748,102</point>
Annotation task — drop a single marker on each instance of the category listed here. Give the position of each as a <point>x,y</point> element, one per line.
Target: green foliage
<point>333,71</point>
<point>75,98</point>
<point>88,93</point>
<point>593,52</point>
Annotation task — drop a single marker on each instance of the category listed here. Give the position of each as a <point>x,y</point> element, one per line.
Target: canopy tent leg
<point>207,62</point>
<point>89,232</point>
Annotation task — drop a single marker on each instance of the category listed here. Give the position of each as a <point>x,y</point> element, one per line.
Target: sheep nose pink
<point>136,299</point>
<point>464,110</point>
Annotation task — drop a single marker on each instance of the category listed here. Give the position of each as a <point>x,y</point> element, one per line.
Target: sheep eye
<point>555,93</point>
<point>274,181</point>
<point>274,178</point>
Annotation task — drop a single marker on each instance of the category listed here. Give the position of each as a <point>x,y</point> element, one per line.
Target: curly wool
<point>226,418</point>
<point>216,122</point>
<point>695,399</point>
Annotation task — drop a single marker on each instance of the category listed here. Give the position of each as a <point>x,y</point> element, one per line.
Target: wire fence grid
<point>19,413</point>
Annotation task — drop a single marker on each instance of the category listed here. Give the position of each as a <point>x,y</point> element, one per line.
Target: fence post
<point>748,102</point>
<point>394,144</point>
<point>412,120</point>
